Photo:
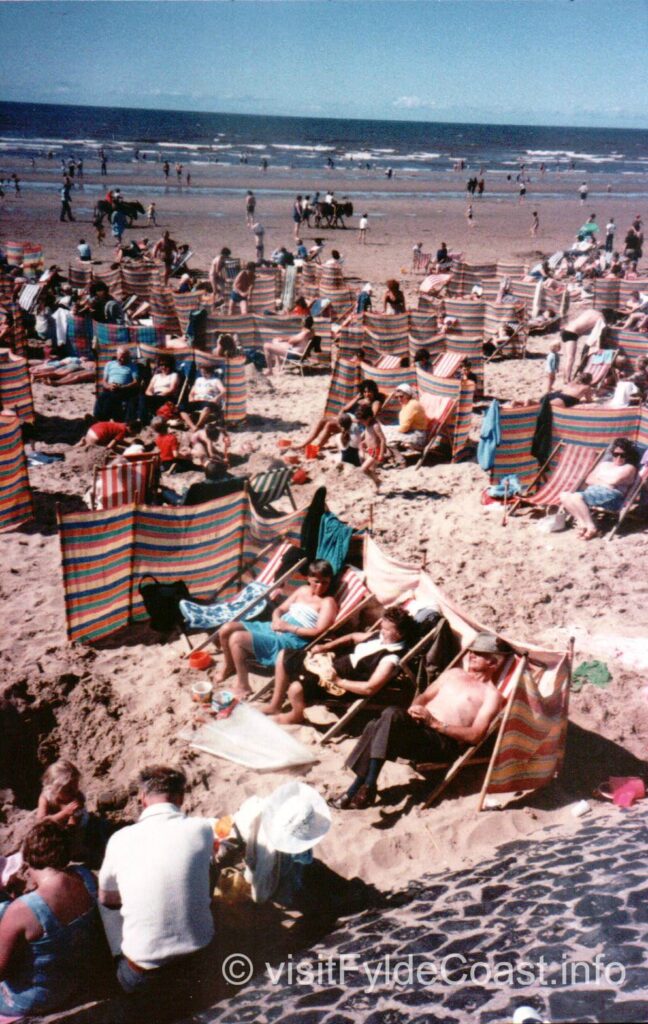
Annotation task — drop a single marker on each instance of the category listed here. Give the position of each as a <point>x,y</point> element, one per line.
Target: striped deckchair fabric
<point>266,488</point>
<point>343,386</point>
<point>80,274</point>
<point>513,454</point>
<point>79,336</point>
<point>626,288</point>
<point>163,313</point>
<point>332,286</point>
<point>389,378</point>
<point>186,303</point>
<point>388,363</point>
<point>242,327</point>
<point>14,253</point>
<point>606,293</point>
<point>129,483</point>
<point>510,268</point>
<point>389,334</point>
<point>470,316</point>
<point>108,337</point>
<point>112,278</point>
<point>269,327</point>
<point>137,278</point>
<point>448,364</point>
<point>19,330</point>
<point>468,348</point>
<point>265,291</point>
<point>633,343</point>
<point>7,285</point>
<point>421,261</point>
<point>16,505</point>
<point>599,365</point>
<point>262,530</point>
<point>594,426</point>
<point>105,554</point>
<point>148,335</point>
<point>15,387</point>
<point>308,283</point>
<point>529,751</point>
<point>457,426</point>
<point>232,374</point>
<point>571,465</point>
<point>32,263</point>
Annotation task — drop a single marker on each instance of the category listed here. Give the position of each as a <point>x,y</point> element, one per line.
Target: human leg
<point>224,636</point>
<point>569,346</point>
<point>242,650</point>
<point>297,706</point>
<point>573,503</point>
<point>281,685</point>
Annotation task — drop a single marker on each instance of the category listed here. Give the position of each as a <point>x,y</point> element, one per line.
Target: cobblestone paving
<point>559,924</point>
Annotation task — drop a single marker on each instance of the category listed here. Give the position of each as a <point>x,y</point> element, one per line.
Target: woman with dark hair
<point>394,300</point>
<point>226,347</point>
<point>163,384</point>
<point>326,426</point>
<point>370,661</point>
<point>606,487</point>
<point>307,613</point>
<point>285,344</point>
<point>48,935</point>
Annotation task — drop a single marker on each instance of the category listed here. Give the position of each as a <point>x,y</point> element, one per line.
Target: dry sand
<point>113,707</point>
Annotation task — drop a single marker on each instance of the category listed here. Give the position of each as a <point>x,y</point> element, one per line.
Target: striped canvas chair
<point>594,426</point>
<point>388,363</point>
<point>242,327</point>
<point>129,483</point>
<point>600,365</point>
<point>632,501</point>
<point>388,334</point>
<point>458,424</point>
<point>80,274</point>
<point>343,386</point>
<point>137,278</point>
<point>266,488</point>
<point>16,506</point>
<point>469,348</point>
<point>186,303</point>
<point>79,336</point>
<point>232,374</point>
<point>421,261</point>
<point>569,466</point>
<point>448,364</point>
<point>15,387</point>
<point>439,411</point>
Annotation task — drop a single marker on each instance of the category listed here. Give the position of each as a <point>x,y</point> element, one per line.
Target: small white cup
<point>201,692</point>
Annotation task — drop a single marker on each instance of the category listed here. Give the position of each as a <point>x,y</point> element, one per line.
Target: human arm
<point>341,641</point>
<point>378,678</point>
<point>13,927</point>
<point>474,733</point>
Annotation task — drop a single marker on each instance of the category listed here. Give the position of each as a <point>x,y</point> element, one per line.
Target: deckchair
<point>438,411</point>
<point>632,499</point>
<point>599,365</point>
<point>421,261</point>
<point>301,360</point>
<point>265,488</point>
<point>447,364</point>
<point>126,483</point>
<point>573,464</point>
<point>388,363</point>
<point>517,342</point>
<point>267,581</point>
<point>352,595</point>
<point>80,275</point>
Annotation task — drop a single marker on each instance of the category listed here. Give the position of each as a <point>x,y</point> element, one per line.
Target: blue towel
<point>333,541</point>
<point>490,436</point>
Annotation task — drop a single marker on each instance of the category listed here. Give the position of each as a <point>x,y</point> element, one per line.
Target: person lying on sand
<point>362,671</point>
<point>606,487</point>
<point>70,370</point>
<point>577,391</point>
<point>301,617</point>
<point>453,713</point>
<point>109,434</point>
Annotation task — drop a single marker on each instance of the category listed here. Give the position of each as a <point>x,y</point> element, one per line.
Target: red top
<point>167,446</point>
<point>109,431</point>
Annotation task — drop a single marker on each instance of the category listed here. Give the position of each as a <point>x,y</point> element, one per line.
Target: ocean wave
<point>311,149</point>
<point>570,154</point>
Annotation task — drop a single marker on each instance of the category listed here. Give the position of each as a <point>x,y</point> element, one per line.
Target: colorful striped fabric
<point>186,303</point>
<point>112,278</point>
<point>343,386</point>
<point>594,426</point>
<point>350,339</point>
<point>262,530</point>
<point>573,465</point>
<point>388,363</point>
<point>421,261</point>
<point>606,293</point>
<point>389,334</point>
<point>265,291</point>
<point>7,285</point>
<point>146,335</point>
<point>242,327</point>
<point>642,428</point>
<point>458,425</point>
<point>599,370</point>
<point>19,331</point>
<point>525,291</point>
<point>269,327</point>
<point>163,312</point>
<point>513,455</point>
<point>308,284</point>
<point>510,268</point>
<point>79,336</point>
<point>16,505</point>
<point>468,348</point>
<point>129,483</point>
<point>448,364</point>
<point>232,374</point>
<point>626,288</point>
<point>15,387</point>
<point>332,286</point>
<point>109,337</point>
<point>530,748</point>
<point>469,274</point>
<point>33,263</point>
<point>80,274</point>
<point>469,314</point>
<point>390,378</point>
<point>422,327</point>
<point>137,278</point>
<point>634,344</point>
<point>14,253</point>
<point>351,593</point>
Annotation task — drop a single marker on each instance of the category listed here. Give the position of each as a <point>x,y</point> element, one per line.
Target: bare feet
<point>221,677</point>
<point>268,709</point>
<point>289,718</point>
<point>591,534</point>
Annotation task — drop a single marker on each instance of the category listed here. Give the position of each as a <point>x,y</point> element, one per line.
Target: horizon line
<point>312,117</point>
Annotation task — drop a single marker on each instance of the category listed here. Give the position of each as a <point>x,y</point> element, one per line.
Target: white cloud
<point>413,103</point>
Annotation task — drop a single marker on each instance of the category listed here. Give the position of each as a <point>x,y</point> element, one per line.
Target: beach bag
<point>162,602</point>
<point>553,524</point>
<point>321,665</point>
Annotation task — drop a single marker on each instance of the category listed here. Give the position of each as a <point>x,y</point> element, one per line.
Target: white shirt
<point>160,868</point>
<point>368,647</point>
<point>364,222</point>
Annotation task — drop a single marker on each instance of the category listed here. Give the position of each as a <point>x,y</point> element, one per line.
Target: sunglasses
<point>618,455</point>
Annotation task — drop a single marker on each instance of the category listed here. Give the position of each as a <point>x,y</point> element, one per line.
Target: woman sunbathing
<point>309,612</point>
<point>606,487</point>
<point>285,345</point>
<point>71,370</point>
<point>371,662</point>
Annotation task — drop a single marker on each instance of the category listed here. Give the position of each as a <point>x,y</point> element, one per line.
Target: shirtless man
<point>454,712</point>
<point>241,289</point>
<point>587,322</point>
<point>606,487</point>
<point>578,390</point>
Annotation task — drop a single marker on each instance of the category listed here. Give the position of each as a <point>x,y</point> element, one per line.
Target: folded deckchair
<point>516,342</point>
<point>388,363</point>
<point>129,483</point>
<point>573,463</point>
<point>265,488</point>
<point>351,595</point>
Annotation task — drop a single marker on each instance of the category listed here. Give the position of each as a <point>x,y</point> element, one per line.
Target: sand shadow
<point>46,504</point>
<point>58,429</point>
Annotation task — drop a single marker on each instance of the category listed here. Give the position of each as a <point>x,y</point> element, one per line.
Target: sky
<point>566,62</point>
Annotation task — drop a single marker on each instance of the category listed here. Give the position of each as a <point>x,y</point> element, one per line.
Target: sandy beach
<point>112,707</point>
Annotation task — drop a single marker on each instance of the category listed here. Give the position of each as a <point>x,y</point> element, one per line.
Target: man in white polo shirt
<point>157,872</point>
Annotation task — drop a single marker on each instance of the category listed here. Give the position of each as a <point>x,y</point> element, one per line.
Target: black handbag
<point>162,602</point>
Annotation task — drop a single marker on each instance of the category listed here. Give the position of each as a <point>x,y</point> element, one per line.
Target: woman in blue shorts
<point>606,487</point>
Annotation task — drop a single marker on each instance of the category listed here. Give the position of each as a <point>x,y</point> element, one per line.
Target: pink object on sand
<point>626,790</point>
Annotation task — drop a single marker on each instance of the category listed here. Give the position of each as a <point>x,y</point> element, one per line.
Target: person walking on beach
<point>583,192</point>
<point>469,216</point>
<point>150,213</point>
<point>522,192</point>
<point>297,215</point>
<point>66,207</point>
<point>362,229</point>
<point>610,228</point>
<point>165,169</point>
<point>535,223</point>
<point>250,207</point>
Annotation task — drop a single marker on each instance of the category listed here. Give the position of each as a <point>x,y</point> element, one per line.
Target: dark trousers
<point>394,734</point>
<point>168,992</point>
<point>66,210</point>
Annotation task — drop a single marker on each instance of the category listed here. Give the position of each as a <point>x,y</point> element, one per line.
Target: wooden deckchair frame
<point>631,500</point>
<point>151,458</point>
<point>440,424</point>
<point>520,336</point>
<point>523,498</point>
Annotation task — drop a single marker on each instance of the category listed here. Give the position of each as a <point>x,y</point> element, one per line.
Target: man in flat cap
<point>453,713</point>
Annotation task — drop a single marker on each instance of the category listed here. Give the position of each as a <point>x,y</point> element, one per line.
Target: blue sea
<point>415,148</point>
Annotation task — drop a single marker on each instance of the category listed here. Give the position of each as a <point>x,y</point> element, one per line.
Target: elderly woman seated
<point>284,345</point>
<point>606,487</point>
<point>308,612</point>
<point>373,660</point>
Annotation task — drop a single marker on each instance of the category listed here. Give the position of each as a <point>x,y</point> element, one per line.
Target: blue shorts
<point>235,297</point>
<point>608,498</point>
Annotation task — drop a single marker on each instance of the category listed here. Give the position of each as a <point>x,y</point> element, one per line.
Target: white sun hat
<point>295,818</point>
